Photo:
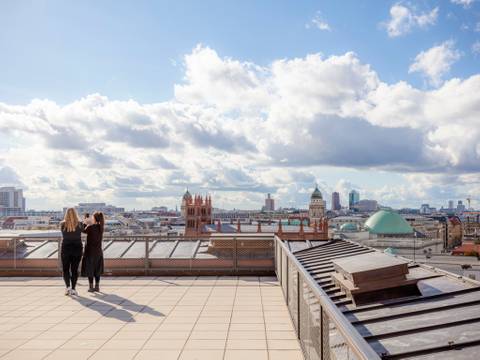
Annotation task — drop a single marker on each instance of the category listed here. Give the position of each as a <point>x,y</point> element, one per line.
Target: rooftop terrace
<point>335,299</point>
<point>147,318</point>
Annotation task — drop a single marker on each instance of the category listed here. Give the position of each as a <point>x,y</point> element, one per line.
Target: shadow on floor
<point>105,309</point>
<point>126,303</point>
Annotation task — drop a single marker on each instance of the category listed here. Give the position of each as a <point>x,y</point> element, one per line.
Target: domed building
<point>387,223</point>
<point>348,227</point>
<point>187,198</point>
<point>316,209</point>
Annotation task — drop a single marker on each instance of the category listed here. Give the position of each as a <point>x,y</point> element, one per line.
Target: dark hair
<point>86,215</point>
<point>100,219</point>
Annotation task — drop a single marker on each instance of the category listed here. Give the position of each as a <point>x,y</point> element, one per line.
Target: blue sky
<point>64,52</point>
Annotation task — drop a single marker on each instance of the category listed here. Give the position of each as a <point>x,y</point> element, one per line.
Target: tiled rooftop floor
<point>147,318</point>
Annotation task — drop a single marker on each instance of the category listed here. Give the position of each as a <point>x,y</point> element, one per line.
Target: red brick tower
<point>197,212</point>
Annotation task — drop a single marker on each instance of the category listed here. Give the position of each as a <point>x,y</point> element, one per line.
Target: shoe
<point>97,288</point>
<point>91,289</point>
<point>68,291</point>
<point>73,292</point>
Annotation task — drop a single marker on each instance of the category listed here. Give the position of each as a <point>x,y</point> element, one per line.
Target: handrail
<point>141,236</point>
<point>355,341</point>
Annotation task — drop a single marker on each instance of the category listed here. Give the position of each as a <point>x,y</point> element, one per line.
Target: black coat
<point>92,262</point>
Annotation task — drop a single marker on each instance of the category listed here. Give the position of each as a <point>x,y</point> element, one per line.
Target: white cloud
<point>225,82</point>
<point>476,47</point>
<point>239,130</point>
<point>403,18</point>
<point>464,3</point>
<point>318,22</point>
<point>435,62</point>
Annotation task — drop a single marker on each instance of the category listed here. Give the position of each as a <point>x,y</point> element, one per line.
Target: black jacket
<point>72,240</point>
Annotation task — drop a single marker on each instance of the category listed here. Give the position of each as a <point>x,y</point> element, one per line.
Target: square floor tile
<point>246,354</point>
<point>285,355</point>
<point>158,355</point>
<point>70,355</point>
<point>201,355</point>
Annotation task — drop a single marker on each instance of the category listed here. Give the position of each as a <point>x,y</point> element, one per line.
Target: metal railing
<point>147,253</point>
<point>322,329</point>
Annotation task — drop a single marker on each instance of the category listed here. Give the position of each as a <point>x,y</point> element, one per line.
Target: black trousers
<point>70,264</point>
<point>97,280</point>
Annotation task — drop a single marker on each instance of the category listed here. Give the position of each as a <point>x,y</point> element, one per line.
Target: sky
<point>132,102</point>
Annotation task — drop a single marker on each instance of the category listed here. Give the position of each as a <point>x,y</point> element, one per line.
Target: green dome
<point>348,227</point>
<point>387,223</point>
<point>316,194</point>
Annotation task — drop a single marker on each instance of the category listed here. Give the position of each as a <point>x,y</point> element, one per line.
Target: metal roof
<point>441,323</point>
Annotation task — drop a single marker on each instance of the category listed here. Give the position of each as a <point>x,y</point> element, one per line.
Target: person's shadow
<point>127,304</point>
<point>105,309</point>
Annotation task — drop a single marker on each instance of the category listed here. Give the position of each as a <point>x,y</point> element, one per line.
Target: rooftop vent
<point>374,277</point>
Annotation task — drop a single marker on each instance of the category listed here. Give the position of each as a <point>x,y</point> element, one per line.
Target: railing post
<point>298,304</point>
<point>235,255</point>
<point>287,277</point>
<point>279,253</point>
<point>147,262</point>
<point>59,257</point>
<point>14,253</point>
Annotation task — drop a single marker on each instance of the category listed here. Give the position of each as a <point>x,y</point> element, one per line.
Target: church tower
<point>197,211</point>
<point>316,209</point>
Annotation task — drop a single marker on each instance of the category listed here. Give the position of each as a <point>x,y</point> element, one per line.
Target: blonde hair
<point>70,221</point>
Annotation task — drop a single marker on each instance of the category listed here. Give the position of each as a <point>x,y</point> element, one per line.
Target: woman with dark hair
<point>92,263</point>
<point>71,249</point>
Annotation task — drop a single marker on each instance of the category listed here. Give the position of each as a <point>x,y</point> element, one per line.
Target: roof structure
<point>187,195</point>
<point>439,323</point>
<point>348,227</point>
<point>386,222</point>
<point>316,193</point>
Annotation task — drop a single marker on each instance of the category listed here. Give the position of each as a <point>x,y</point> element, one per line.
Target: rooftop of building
<point>184,318</point>
<point>437,323</point>
<point>316,194</point>
<point>348,227</point>
<point>387,222</point>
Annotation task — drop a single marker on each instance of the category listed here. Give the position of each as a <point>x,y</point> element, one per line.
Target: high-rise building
<point>450,205</point>
<point>425,209</point>
<point>12,201</point>
<point>460,206</point>
<point>336,201</point>
<point>269,204</point>
<point>353,199</point>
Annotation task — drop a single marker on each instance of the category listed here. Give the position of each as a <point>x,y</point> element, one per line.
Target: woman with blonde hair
<point>71,250</point>
<point>92,263</point>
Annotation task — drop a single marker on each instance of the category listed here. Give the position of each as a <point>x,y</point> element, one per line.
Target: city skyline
<point>381,98</point>
<point>268,205</point>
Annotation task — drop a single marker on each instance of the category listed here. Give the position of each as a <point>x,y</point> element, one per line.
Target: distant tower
<point>197,212</point>
<point>269,204</point>
<point>336,201</point>
<point>186,199</point>
<point>316,210</point>
<point>450,205</point>
<point>353,199</point>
